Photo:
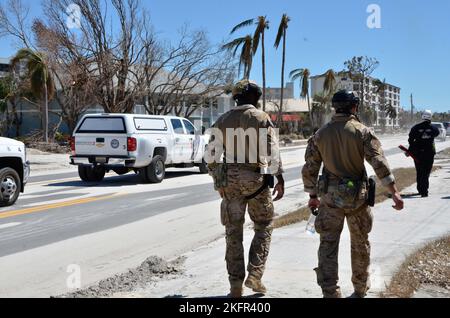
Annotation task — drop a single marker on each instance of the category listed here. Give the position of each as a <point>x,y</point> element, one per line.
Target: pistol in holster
<point>371,193</point>
<point>220,176</point>
<point>270,181</point>
<point>323,184</point>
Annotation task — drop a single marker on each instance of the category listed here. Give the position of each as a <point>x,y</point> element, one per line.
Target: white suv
<point>14,170</point>
<point>144,144</point>
<point>447,127</point>
<point>442,131</point>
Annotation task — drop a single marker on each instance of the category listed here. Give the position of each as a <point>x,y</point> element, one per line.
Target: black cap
<point>344,100</point>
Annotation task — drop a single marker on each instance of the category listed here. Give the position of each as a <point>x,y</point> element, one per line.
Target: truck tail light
<point>72,144</point>
<point>131,144</point>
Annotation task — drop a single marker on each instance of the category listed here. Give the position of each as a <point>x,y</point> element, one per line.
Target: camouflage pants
<point>329,224</point>
<point>243,182</point>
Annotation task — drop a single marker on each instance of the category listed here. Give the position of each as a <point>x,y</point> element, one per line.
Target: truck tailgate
<point>101,145</point>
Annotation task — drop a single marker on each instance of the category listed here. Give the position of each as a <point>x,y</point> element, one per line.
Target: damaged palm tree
<point>40,78</point>
<point>246,56</point>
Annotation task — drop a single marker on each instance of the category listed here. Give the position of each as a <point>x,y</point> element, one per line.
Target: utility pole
<point>412,108</point>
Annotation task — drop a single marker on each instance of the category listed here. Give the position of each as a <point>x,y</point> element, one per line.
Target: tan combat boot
<point>255,284</point>
<point>236,290</point>
<point>358,294</point>
<point>332,293</point>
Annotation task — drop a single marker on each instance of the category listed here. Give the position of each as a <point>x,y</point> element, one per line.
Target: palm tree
<point>41,81</point>
<point>281,35</point>
<point>246,56</point>
<point>381,91</point>
<point>392,113</point>
<point>321,104</point>
<point>262,24</point>
<point>303,74</point>
<point>329,84</point>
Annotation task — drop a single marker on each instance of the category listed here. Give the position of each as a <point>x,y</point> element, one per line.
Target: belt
<point>244,167</point>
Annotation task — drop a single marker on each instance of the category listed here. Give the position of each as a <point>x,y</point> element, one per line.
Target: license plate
<point>100,159</point>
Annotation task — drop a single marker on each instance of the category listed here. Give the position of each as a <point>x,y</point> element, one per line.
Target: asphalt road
<point>112,209</point>
<point>58,209</point>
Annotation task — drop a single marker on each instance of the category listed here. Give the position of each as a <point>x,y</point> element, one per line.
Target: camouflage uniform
<point>341,146</point>
<point>243,180</point>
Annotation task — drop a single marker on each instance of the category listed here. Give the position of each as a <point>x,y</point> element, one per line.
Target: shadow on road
<point>119,181</point>
<point>258,295</point>
<point>410,195</point>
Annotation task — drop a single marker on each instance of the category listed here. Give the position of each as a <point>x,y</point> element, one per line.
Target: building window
<point>140,109</point>
<point>4,68</point>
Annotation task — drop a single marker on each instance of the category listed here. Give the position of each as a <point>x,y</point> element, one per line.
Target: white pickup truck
<point>144,144</point>
<point>14,170</point>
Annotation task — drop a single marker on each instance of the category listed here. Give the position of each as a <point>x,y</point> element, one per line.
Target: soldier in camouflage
<point>341,146</point>
<point>241,178</point>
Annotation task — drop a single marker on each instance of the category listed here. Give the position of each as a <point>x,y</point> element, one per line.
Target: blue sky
<point>413,44</point>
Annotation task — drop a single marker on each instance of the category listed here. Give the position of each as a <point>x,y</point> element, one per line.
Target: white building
<point>372,98</point>
<point>4,67</point>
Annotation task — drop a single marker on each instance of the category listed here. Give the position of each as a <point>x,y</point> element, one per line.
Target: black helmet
<point>344,100</point>
<point>245,87</point>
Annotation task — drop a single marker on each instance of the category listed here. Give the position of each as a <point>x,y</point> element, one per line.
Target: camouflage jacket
<point>342,145</point>
<point>245,135</point>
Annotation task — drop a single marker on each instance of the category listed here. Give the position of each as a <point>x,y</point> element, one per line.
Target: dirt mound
<point>152,267</point>
<point>48,147</point>
<point>426,270</point>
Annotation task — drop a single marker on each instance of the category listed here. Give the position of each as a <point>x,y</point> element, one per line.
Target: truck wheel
<point>155,171</point>
<point>82,172</point>
<point>91,174</point>
<point>203,167</point>
<point>96,173</point>
<point>10,186</point>
<point>121,171</point>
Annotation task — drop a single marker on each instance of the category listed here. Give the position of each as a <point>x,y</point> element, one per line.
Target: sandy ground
<point>45,162</point>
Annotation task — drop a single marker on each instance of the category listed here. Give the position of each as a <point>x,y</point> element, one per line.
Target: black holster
<point>371,193</point>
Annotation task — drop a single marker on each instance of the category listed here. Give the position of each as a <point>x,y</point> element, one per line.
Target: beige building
<point>372,98</point>
<point>274,93</point>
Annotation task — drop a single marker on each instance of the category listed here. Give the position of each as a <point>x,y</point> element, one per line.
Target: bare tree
<point>360,68</point>
<point>113,55</point>
<point>75,87</point>
<point>180,78</point>
<point>14,22</point>
<point>115,61</point>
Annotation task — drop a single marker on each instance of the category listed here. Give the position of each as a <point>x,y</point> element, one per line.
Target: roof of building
<point>344,74</point>
<point>4,60</point>
<point>290,105</point>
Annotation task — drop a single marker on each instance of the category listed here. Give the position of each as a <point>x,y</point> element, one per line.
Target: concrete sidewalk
<point>294,253</point>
